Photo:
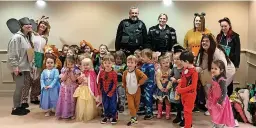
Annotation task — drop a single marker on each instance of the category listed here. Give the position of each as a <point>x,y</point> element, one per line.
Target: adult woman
<point>208,53</point>
<point>230,42</point>
<point>161,37</point>
<point>193,37</point>
<point>18,58</point>
<point>40,38</point>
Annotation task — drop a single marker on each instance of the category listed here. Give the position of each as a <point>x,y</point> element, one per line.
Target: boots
<point>160,110</point>
<point>178,118</point>
<point>167,112</point>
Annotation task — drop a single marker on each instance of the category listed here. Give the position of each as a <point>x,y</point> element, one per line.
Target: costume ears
<point>14,25</point>
<point>197,14</point>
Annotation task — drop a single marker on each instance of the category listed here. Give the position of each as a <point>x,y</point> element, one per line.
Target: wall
<point>251,56</point>
<point>97,22</point>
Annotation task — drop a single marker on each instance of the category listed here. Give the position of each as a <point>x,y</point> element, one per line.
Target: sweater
<point>17,52</point>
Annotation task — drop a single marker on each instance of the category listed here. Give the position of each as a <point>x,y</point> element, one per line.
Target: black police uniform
<point>162,40</point>
<point>131,35</point>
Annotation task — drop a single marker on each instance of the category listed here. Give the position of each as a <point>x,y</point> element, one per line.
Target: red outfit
<point>108,78</point>
<point>187,89</point>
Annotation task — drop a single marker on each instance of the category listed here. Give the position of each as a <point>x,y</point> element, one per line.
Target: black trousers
<point>230,89</point>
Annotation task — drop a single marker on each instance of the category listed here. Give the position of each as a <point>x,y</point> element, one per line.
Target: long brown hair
<point>222,68</point>
<point>210,51</point>
<point>230,31</point>
<point>202,18</point>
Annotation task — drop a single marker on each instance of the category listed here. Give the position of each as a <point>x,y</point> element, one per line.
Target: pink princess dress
<point>221,114</point>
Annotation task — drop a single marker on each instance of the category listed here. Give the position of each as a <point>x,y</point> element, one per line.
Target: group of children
<point>90,79</point>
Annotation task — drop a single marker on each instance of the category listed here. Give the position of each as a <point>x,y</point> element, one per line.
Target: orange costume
<point>131,82</point>
<point>187,90</point>
<point>51,49</point>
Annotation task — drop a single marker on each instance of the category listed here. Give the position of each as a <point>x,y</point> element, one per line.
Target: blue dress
<point>50,96</point>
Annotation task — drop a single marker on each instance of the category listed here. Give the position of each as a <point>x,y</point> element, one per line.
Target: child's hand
<point>162,89</point>
<point>178,81</point>
<point>173,79</point>
<point>45,87</point>
<point>109,95</point>
<point>166,90</point>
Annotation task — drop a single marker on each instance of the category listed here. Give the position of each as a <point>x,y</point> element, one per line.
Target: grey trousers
<point>121,95</point>
<point>20,82</point>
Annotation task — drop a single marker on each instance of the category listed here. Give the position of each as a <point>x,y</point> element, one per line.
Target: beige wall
<point>97,22</point>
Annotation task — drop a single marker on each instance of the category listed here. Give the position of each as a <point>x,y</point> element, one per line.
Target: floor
<point>36,119</point>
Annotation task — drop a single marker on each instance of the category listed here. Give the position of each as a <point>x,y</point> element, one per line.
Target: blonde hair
<point>161,58</point>
<point>136,52</point>
<point>87,61</point>
<point>163,14</point>
<point>132,57</point>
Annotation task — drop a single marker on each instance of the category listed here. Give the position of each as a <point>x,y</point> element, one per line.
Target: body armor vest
<point>132,34</point>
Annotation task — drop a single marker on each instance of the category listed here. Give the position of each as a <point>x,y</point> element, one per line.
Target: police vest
<point>161,38</point>
<point>132,33</point>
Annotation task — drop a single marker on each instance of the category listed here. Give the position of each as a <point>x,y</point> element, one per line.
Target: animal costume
<point>51,49</point>
<point>131,80</point>
<point>20,54</point>
<point>187,90</point>
<point>193,37</point>
<point>34,81</point>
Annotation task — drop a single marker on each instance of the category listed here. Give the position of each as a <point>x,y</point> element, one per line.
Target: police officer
<point>162,37</point>
<point>131,33</point>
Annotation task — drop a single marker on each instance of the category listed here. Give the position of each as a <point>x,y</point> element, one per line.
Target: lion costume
<point>51,49</point>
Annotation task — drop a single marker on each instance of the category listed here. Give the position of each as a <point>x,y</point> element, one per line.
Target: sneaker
<point>132,121</point>
<point>207,113</point>
<point>19,112</point>
<point>121,109</point>
<point>177,120</point>
<point>236,123</point>
<point>196,109</point>
<point>47,114</point>
<point>148,117</point>
<point>182,123</point>
<point>24,105</point>
<point>104,120</point>
<point>26,110</point>
<point>114,121</point>
<point>35,102</point>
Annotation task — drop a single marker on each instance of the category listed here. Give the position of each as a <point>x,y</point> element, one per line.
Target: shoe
<point>167,114</point>
<point>184,127</point>
<point>35,102</point>
<point>236,123</point>
<point>196,109</point>
<point>121,109</point>
<point>182,123</point>
<point>19,112</point>
<point>132,121</point>
<point>104,120</point>
<point>159,111</point>
<point>26,110</point>
<point>24,105</point>
<point>47,114</point>
<point>114,121</point>
<point>148,117</point>
<point>177,120</point>
<point>207,113</point>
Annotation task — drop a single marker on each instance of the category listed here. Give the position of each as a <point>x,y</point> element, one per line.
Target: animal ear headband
<point>197,14</point>
<point>15,25</point>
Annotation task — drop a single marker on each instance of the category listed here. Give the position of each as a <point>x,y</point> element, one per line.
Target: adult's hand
<point>16,71</point>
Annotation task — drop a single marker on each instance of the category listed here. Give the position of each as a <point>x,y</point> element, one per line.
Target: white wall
<point>97,21</point>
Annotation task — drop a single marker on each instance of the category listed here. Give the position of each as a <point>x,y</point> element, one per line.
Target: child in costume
<point>155,61</point>
<point>86,47</point>
<point>49,86</point>
<point>66,103</point>
<point>187,86</point>
<point>137,53</point>
<point>107,83</point>
<point>86,93</point>
<point>98,58</point>
<point>175,79</point>
<point>133,78</point>
<point>163,87</point>
<point>63,54</point>
<point>50,50</point>
<point>218,103</point>
<point>120,67</point>
<point>149,85</point>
